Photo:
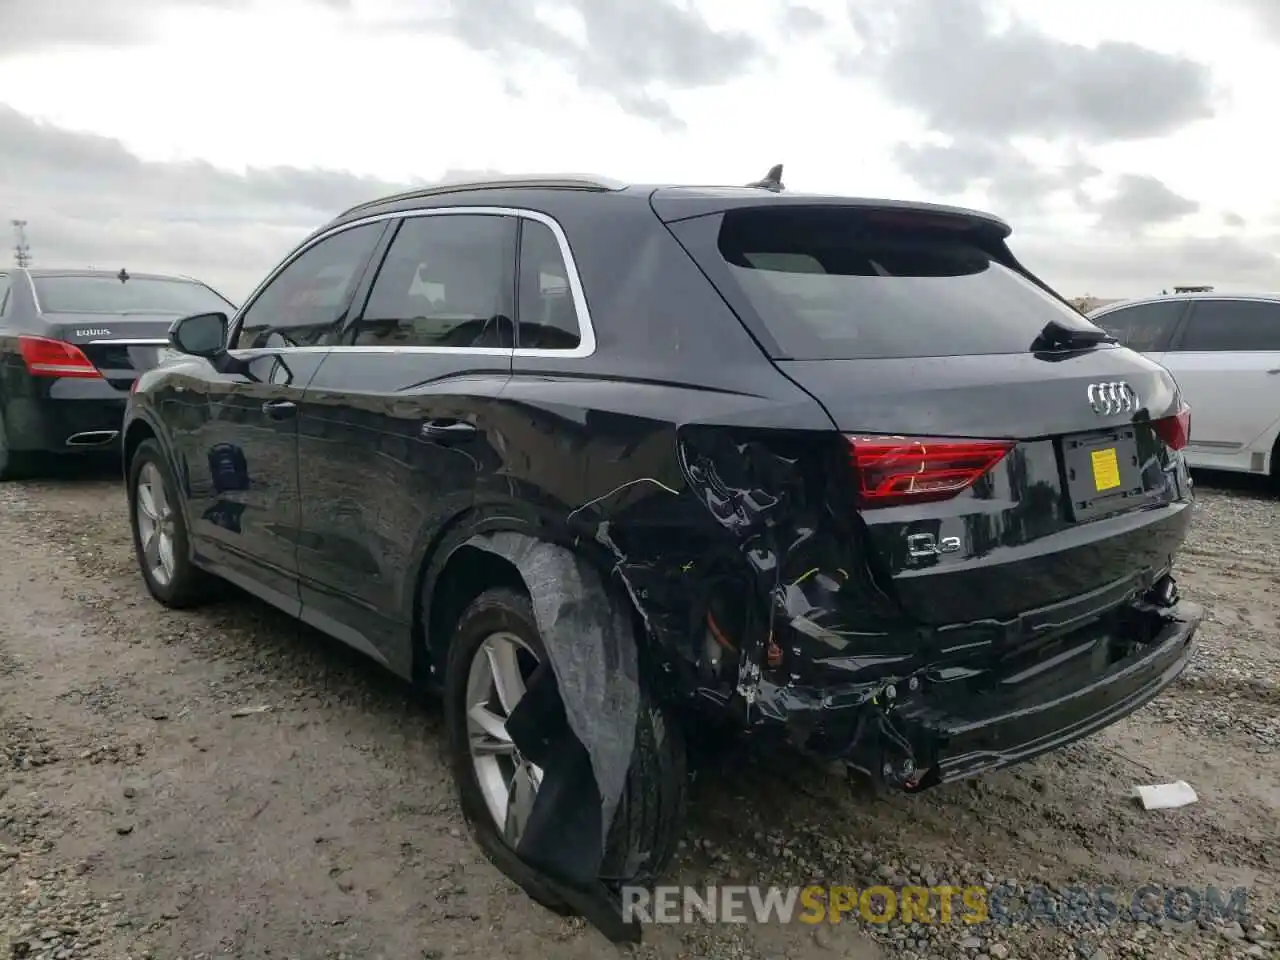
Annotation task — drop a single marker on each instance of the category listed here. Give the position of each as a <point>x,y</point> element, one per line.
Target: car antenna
<point>123,275</point>
<point>772,180</point>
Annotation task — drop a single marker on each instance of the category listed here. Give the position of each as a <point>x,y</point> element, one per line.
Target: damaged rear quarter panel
<point>700,479</point>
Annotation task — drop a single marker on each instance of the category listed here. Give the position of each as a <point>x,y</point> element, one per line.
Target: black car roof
<point>672,201</point>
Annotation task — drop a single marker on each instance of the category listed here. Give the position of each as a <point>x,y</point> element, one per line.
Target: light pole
<point>21,250</point>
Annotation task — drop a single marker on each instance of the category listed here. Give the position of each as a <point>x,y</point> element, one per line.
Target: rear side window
<point>4,294</point>
<point>447,281</point>
<point>1217,325</point>
<point>1145,327</point>
<point>306,302</point>
<point>548,315</point>
<point>840,283</point>
<point>107,294</point>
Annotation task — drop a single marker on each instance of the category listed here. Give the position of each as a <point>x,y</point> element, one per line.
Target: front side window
<point>306,303</point>
<point>448,280</point>
<point>548,315</point>
<point>1145,327</point>
<point>1218,325</point>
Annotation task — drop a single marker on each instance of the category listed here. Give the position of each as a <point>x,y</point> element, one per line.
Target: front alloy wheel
<point>160,532</point>
<point>154,517</point>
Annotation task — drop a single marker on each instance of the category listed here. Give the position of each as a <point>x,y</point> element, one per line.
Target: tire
<point>650,816</point>
<point>185,585</point>
<point>13,465</point>
<point>1275,466</point>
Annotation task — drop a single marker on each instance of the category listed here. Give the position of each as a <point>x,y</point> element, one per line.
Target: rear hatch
<point>1006,458</point>
<point>118,328</point>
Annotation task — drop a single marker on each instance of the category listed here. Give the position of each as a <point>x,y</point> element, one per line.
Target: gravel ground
<point>226,783</point>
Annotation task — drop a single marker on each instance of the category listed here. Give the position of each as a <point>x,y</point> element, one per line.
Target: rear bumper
<point>990,735</point>
<point>47,424</point>
<point>937,724</point>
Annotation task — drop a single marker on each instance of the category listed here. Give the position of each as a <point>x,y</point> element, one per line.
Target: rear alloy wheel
<point>160,532</point>
<point>496,682</point>
<point>492,656</point>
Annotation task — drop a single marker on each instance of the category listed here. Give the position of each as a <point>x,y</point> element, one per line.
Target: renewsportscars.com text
<point>969,905</point>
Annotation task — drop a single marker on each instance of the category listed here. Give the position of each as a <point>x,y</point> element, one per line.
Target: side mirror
<point>200,335</point>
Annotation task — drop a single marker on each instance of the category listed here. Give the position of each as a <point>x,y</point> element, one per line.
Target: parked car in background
<point>71,344</point>
<point>606,463</point>
<point>1224,351</point>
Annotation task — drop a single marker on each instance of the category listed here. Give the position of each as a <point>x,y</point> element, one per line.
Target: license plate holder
<point>1102,471</point>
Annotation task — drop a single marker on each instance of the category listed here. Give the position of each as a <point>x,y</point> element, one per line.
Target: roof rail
<point>517,181</point>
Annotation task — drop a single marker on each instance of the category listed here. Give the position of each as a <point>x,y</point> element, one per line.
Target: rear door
<point>1227,361</point>
<point>239,429</point>
<point>994,473</point>
<point>395,427</point>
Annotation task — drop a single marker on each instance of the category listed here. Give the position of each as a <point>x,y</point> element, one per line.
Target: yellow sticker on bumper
<point>1106,469</point>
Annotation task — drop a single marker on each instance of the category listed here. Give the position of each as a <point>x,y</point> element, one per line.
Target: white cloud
<point>648,91</point>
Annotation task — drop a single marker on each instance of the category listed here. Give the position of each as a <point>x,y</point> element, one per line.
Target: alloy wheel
<point>155,521</point>
<point>496,682</point>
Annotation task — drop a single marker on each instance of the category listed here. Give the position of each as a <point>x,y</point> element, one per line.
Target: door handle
<point>1276,370</point>
<point>448,431</point>
<point>280,409</point>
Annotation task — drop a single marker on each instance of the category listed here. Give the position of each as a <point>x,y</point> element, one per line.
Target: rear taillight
<point>1175,431</point>
<point>897,470</point>
<point>55,358</point>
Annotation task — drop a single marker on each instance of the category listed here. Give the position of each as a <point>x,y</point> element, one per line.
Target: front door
<point>241,454</point>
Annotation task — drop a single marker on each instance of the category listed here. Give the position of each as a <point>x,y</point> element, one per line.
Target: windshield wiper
<point>1058,336</point>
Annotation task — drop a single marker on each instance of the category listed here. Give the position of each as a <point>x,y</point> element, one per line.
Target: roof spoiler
<point>772,180</point>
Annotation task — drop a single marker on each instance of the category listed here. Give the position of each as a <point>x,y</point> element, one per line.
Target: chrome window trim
<point>586,330</point>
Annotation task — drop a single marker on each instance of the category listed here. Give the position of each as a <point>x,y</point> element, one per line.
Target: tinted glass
<point>1146,327</point>
<point>1232,325</point>
<point>4,293</point>
<point>307,301</point>
<point>447,281</point>
<point>548,316</point>
<point>71,294</point>
<point>836,283</point>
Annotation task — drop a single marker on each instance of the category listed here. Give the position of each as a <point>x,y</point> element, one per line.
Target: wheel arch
<point>135,433</point>
<point>453,573</point>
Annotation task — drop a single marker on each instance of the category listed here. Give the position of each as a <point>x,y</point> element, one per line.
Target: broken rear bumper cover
<point>1000,731</point>
<point>929,730</point>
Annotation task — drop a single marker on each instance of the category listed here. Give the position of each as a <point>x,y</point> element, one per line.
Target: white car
<point>1224,352</point>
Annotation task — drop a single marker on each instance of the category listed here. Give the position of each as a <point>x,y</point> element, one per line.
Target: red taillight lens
<point>897,470</point>
<point>55,358</point>
<point>1175,431</point>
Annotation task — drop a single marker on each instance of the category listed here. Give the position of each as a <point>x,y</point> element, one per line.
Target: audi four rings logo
<point>1108,399</point>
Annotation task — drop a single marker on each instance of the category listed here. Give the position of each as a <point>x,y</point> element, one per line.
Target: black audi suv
<point>601,462</point>
<point>71,344</point>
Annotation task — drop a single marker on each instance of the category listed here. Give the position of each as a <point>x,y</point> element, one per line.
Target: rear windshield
<point>135,295</point>
<point>838,283</point>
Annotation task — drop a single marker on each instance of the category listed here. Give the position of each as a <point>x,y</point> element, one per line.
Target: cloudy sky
<point>1130,142</point>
